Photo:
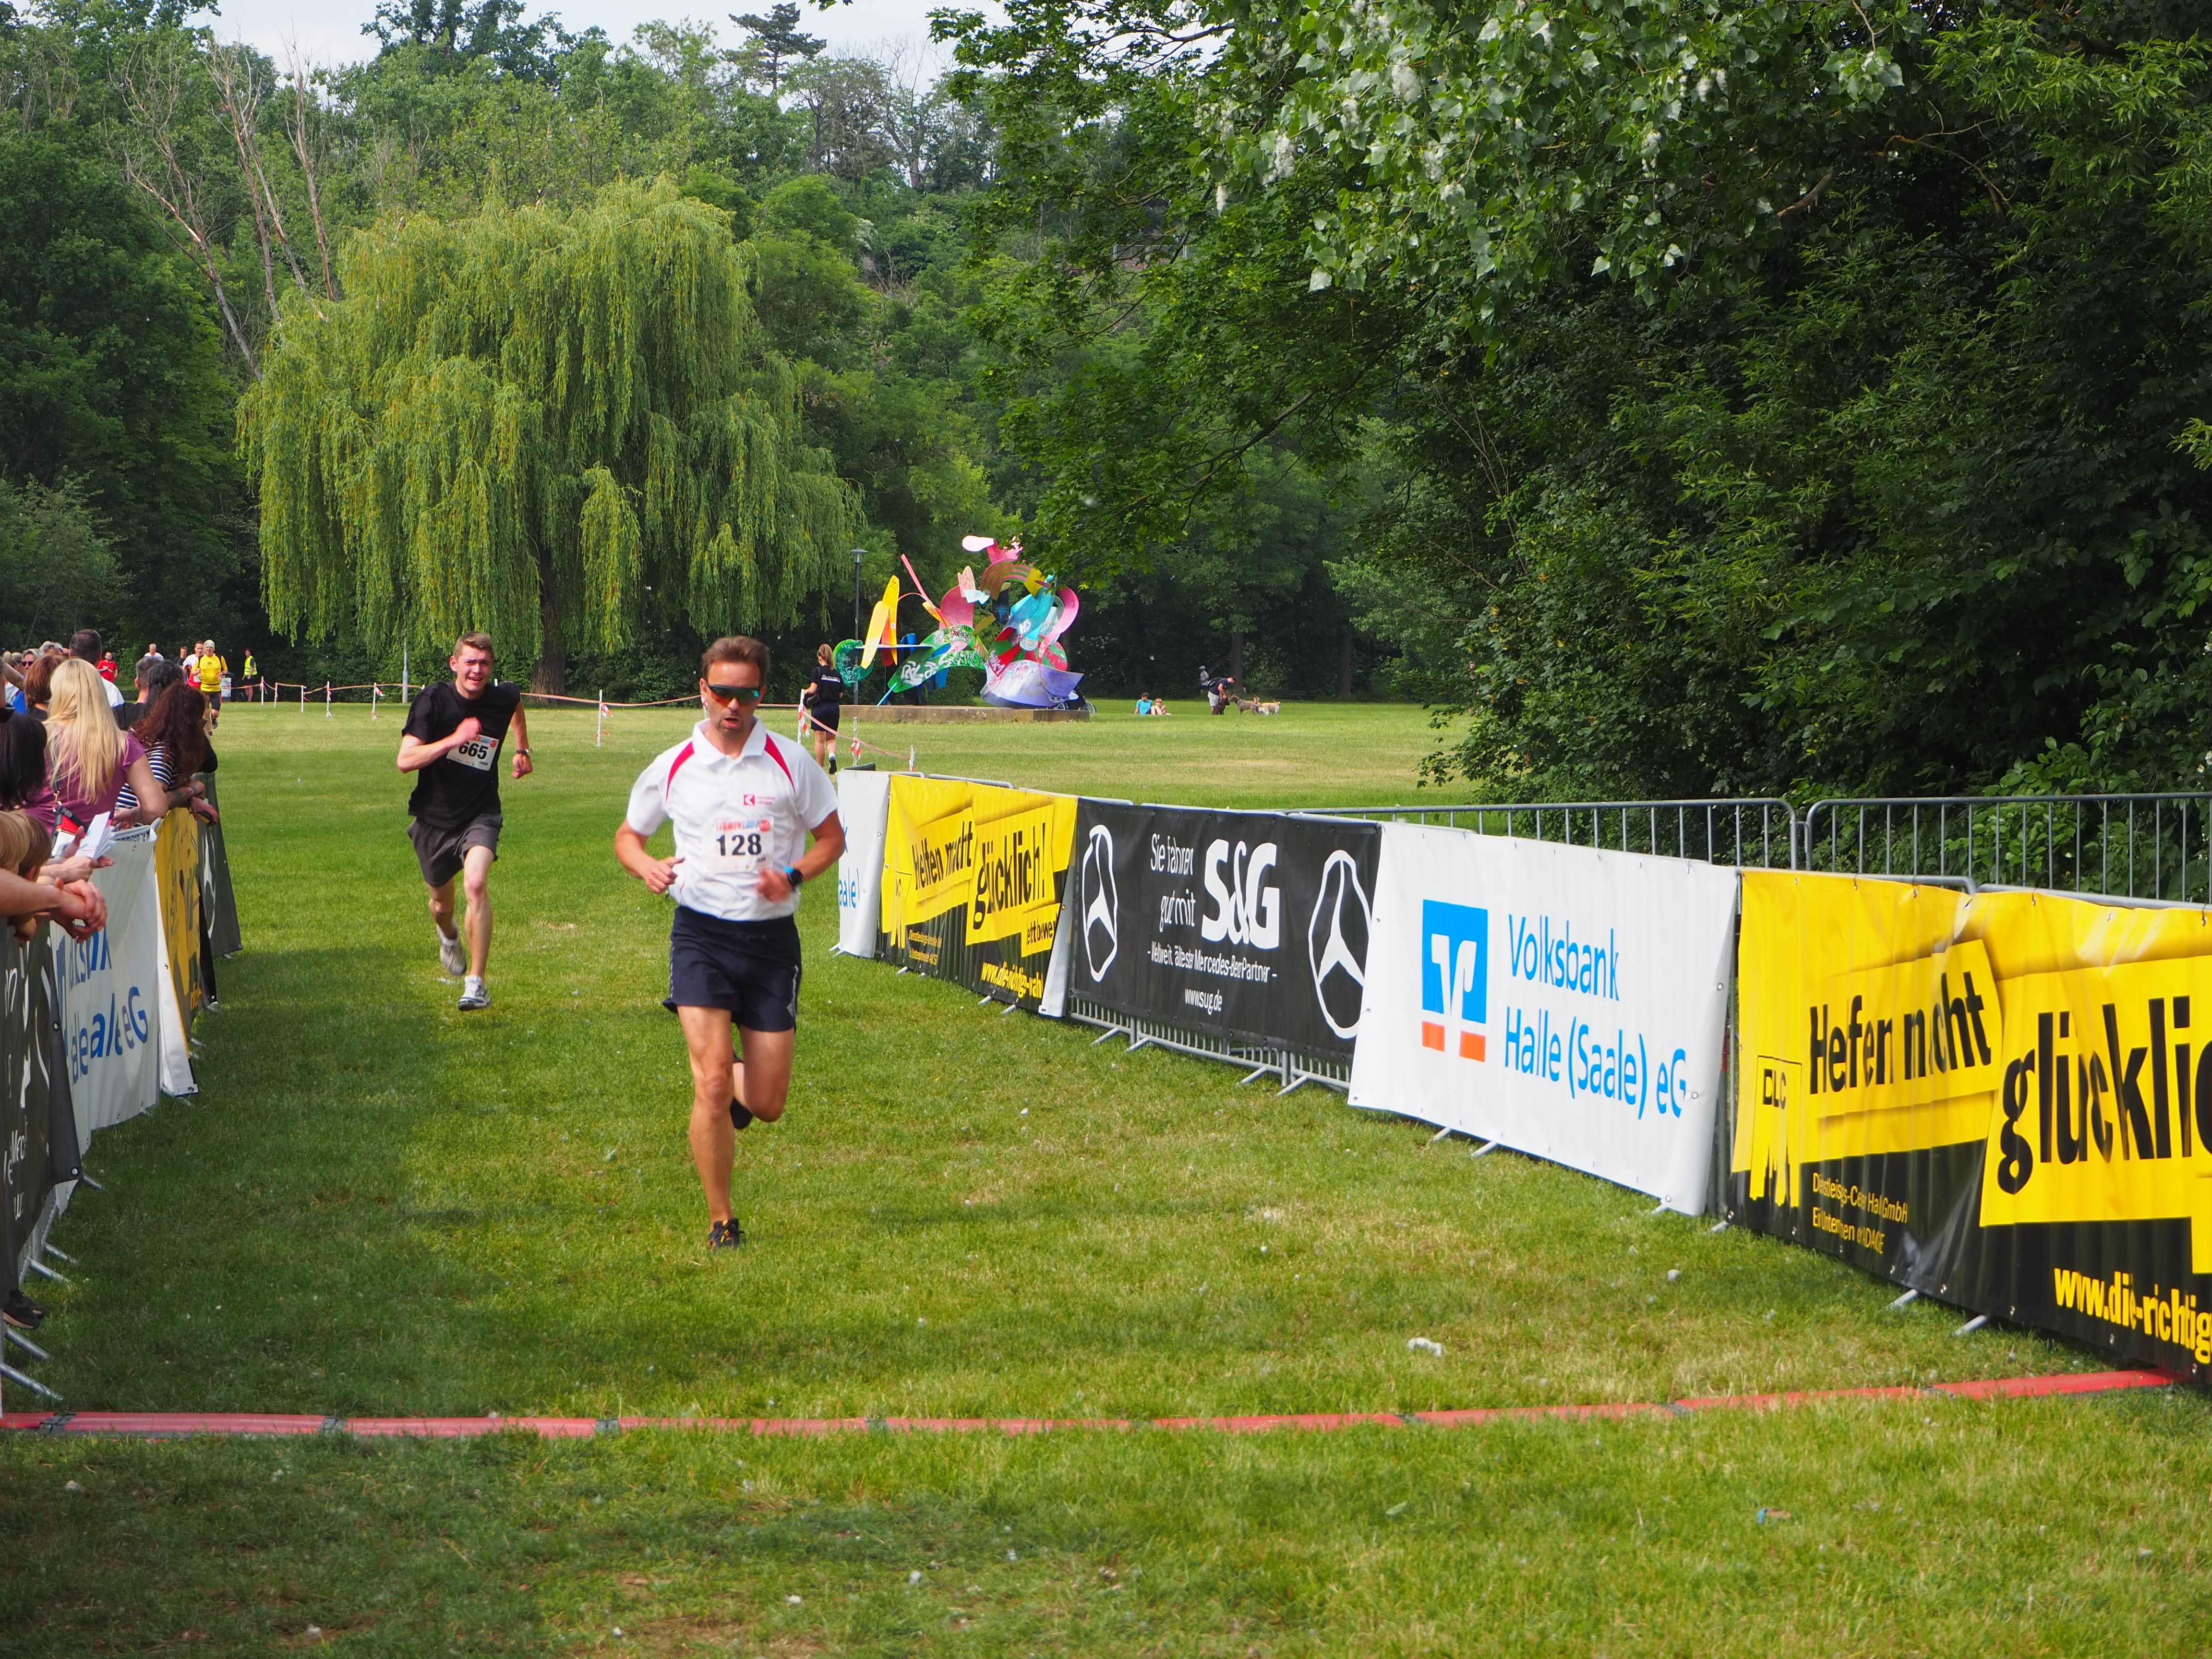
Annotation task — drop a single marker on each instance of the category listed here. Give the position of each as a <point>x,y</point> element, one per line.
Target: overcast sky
<point>330,34</point>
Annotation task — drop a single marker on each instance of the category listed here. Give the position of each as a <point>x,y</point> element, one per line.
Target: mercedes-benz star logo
<point>1101,907</point>
<point>1336,943</point>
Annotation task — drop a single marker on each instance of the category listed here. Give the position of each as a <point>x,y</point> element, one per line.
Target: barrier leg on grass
<point>25,1343</point>
<point>30,1383</point>
<point>1972,1325</point>
<point>1904,1301</point>
<point>39,1266</point>
<point>1486,1146</point>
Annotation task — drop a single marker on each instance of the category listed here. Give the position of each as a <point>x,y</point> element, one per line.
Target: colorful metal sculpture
<point>1008,622</point>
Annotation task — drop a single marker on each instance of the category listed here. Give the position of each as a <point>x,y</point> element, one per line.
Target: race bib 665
<point>479,751</point>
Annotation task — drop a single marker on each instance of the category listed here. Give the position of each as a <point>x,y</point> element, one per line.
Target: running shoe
<point>21,1312</point>
<point>475,993</point>
<point>741,1115</point>
<point>451,957</point>
<point>725,1235</point>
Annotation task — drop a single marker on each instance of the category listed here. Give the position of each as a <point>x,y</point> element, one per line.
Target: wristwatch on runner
<point>791,874</point>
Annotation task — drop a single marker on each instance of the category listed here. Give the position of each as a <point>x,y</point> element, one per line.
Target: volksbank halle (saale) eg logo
<point>1454,978</point>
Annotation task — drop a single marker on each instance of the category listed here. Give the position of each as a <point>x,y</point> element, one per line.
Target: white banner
<point>863,802</point>
<point>1566,1002</point>
<point>113,987</point>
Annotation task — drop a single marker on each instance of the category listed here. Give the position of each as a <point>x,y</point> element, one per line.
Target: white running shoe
<point>474,993</point>
<point>451,957</point>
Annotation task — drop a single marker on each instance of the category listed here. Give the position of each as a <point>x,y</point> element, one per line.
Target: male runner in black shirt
<point>452,741</point>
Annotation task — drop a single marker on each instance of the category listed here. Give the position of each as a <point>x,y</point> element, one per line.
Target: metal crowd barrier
<point>1755,832</point>
<point>1261,1057</point>
<point>2153,847</point>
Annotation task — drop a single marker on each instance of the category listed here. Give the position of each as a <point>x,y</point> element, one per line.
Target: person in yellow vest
<point>210,668</point>
<point>249,676</point>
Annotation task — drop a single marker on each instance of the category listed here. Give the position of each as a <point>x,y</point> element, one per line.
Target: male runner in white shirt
<point>743,803</point>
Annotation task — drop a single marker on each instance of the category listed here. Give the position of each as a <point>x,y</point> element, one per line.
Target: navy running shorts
<point>749,967</point>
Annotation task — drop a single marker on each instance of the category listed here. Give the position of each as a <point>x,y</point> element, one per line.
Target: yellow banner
<point>986,853</point>
<point>1878,1016</point>
<point>176,869</point>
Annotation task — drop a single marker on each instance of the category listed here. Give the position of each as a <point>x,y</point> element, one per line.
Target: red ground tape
<point>164,1425</point>
<point>2015,1388</point>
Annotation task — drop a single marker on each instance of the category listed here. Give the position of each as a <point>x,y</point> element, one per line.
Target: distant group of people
<point>74,751</point>
<point>1220,690</point>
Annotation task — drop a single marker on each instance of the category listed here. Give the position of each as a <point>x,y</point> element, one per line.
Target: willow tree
<point>529,421</point>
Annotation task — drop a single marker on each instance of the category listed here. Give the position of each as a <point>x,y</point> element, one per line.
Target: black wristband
<point>791,874</point>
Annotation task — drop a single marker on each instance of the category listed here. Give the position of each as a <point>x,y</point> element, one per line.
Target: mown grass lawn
<point>379,1206</point>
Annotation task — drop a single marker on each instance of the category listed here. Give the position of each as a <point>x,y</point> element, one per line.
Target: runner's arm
<point>524,766</point>
<point>828,847</point>
<point>630,852</point>
<point>414,754</point>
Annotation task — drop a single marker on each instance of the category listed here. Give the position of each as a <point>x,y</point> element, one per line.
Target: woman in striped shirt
<point>174,733</point>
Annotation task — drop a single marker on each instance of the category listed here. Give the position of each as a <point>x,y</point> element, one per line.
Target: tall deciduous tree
<point>544,425</point>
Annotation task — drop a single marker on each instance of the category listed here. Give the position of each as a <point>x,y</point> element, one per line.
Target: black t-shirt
<point>829,689</point>
<point>461,785</point>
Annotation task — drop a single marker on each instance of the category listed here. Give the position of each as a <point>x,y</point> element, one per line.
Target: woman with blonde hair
<point>88,757</point>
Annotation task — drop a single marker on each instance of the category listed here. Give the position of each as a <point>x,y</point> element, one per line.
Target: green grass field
<point>379,1206</point>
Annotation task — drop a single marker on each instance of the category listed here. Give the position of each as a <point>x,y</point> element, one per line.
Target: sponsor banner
<point>218,901</point>
<point>972,878</point>
<point>38,1130</point>
<point>184,987</point>
<point>112,989</point>
<point>1565,1001</point>
<point>863,802</point>
<point>2004,1101</point>
<point>177,863</point>
<point>1248,925</point>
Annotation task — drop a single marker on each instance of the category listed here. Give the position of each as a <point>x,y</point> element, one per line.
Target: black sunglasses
<point>734,693</point>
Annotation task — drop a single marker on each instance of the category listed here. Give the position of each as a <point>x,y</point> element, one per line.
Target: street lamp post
<point>859,554</point>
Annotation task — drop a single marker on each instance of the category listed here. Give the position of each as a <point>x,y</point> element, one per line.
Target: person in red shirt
<point>108,666</point>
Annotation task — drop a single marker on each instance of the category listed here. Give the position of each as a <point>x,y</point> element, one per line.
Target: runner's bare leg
<point>713,1142</point>
<point>768,1072</point>
<point>476,884</point>
<point>441,909</point>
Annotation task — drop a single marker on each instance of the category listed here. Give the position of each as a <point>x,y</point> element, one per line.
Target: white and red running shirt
<point>734,817</point>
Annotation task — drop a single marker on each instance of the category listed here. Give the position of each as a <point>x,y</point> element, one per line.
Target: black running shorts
<point>749,967</point>
<point>824,714</point>
<point>441,851</point>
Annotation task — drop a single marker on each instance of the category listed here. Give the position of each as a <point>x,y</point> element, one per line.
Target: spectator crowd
<point>79,763</point>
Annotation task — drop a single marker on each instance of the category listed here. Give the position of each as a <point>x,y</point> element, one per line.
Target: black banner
<point>218,902</point>
<point>1249,926</point>
<point>37,1121</point>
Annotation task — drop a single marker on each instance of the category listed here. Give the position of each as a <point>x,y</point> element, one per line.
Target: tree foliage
<point>532,423</point>
<point>1749,397</point>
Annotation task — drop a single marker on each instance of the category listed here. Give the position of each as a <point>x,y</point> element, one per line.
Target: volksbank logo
<point>1454,978</point>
